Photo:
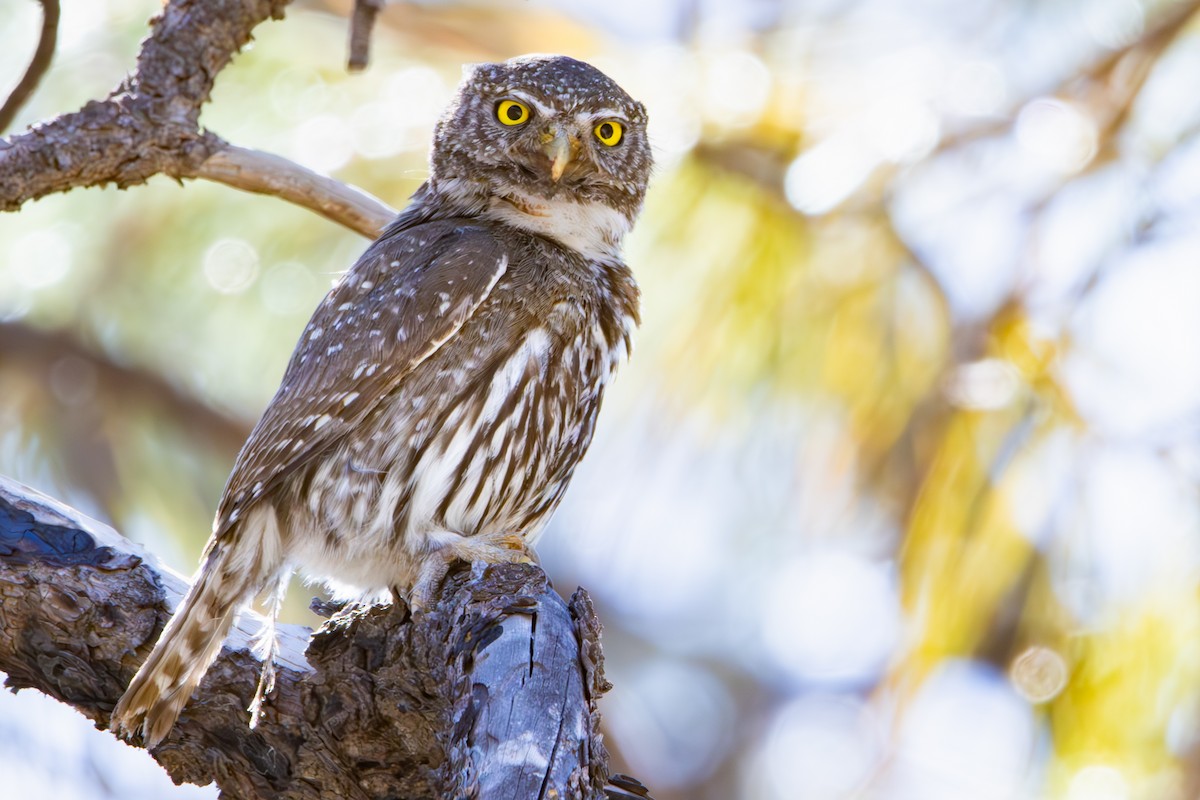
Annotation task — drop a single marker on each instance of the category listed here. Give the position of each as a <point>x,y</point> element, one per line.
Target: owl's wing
<point>409,293</point>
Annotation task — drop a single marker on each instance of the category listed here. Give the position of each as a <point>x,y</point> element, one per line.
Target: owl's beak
<point>559,150</point>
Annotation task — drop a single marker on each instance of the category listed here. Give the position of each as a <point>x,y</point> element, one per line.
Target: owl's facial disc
<point>548,130</point>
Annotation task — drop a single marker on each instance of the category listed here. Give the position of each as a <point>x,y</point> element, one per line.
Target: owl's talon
<point>429,580</point>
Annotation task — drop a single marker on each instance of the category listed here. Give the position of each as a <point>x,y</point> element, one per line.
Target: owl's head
<point>544,128</point>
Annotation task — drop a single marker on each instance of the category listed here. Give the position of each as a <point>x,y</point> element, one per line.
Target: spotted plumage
<point>441,396</point>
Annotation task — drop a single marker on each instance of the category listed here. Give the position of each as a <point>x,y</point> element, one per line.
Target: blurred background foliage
<point>898,496</point>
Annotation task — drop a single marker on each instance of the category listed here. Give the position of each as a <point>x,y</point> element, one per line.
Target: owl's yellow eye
<point>609,132</point>
<point>511,112</point>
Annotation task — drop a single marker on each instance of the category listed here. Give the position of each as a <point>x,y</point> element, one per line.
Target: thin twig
<point>266,173</point>
<point>362,22</point>
<point>38,65</point>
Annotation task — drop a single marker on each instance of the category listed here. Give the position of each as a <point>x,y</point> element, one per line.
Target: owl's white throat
<point>593,229</point>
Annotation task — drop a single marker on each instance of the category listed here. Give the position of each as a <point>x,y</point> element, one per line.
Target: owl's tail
<point>235,568</point>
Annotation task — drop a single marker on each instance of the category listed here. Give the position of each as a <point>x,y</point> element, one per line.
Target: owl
<point>444,391</point>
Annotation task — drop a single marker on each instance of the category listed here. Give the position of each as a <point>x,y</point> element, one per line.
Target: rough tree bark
<point>491,693</point>
<point>150,125</point>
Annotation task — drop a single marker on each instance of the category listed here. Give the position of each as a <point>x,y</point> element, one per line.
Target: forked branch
<point>149,125</point>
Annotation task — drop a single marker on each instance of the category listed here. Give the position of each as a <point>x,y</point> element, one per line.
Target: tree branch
<point>41,349</point>
<point>490,693</point>
<point>147,125</point>
<point>150,125</point>
<point>362,21</point>
<point>38,65</point>
<point>264,173</point>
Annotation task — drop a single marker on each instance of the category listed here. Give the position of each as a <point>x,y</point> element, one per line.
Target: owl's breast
<point>525,418</point>
<point>484,436</point>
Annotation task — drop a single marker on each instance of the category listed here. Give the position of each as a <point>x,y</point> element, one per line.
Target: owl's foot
<point>508,548</point>
<point>266,647</point>
<point>429,580</point>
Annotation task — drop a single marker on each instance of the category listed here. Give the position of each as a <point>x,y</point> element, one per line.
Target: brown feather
<point>406,295</point>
